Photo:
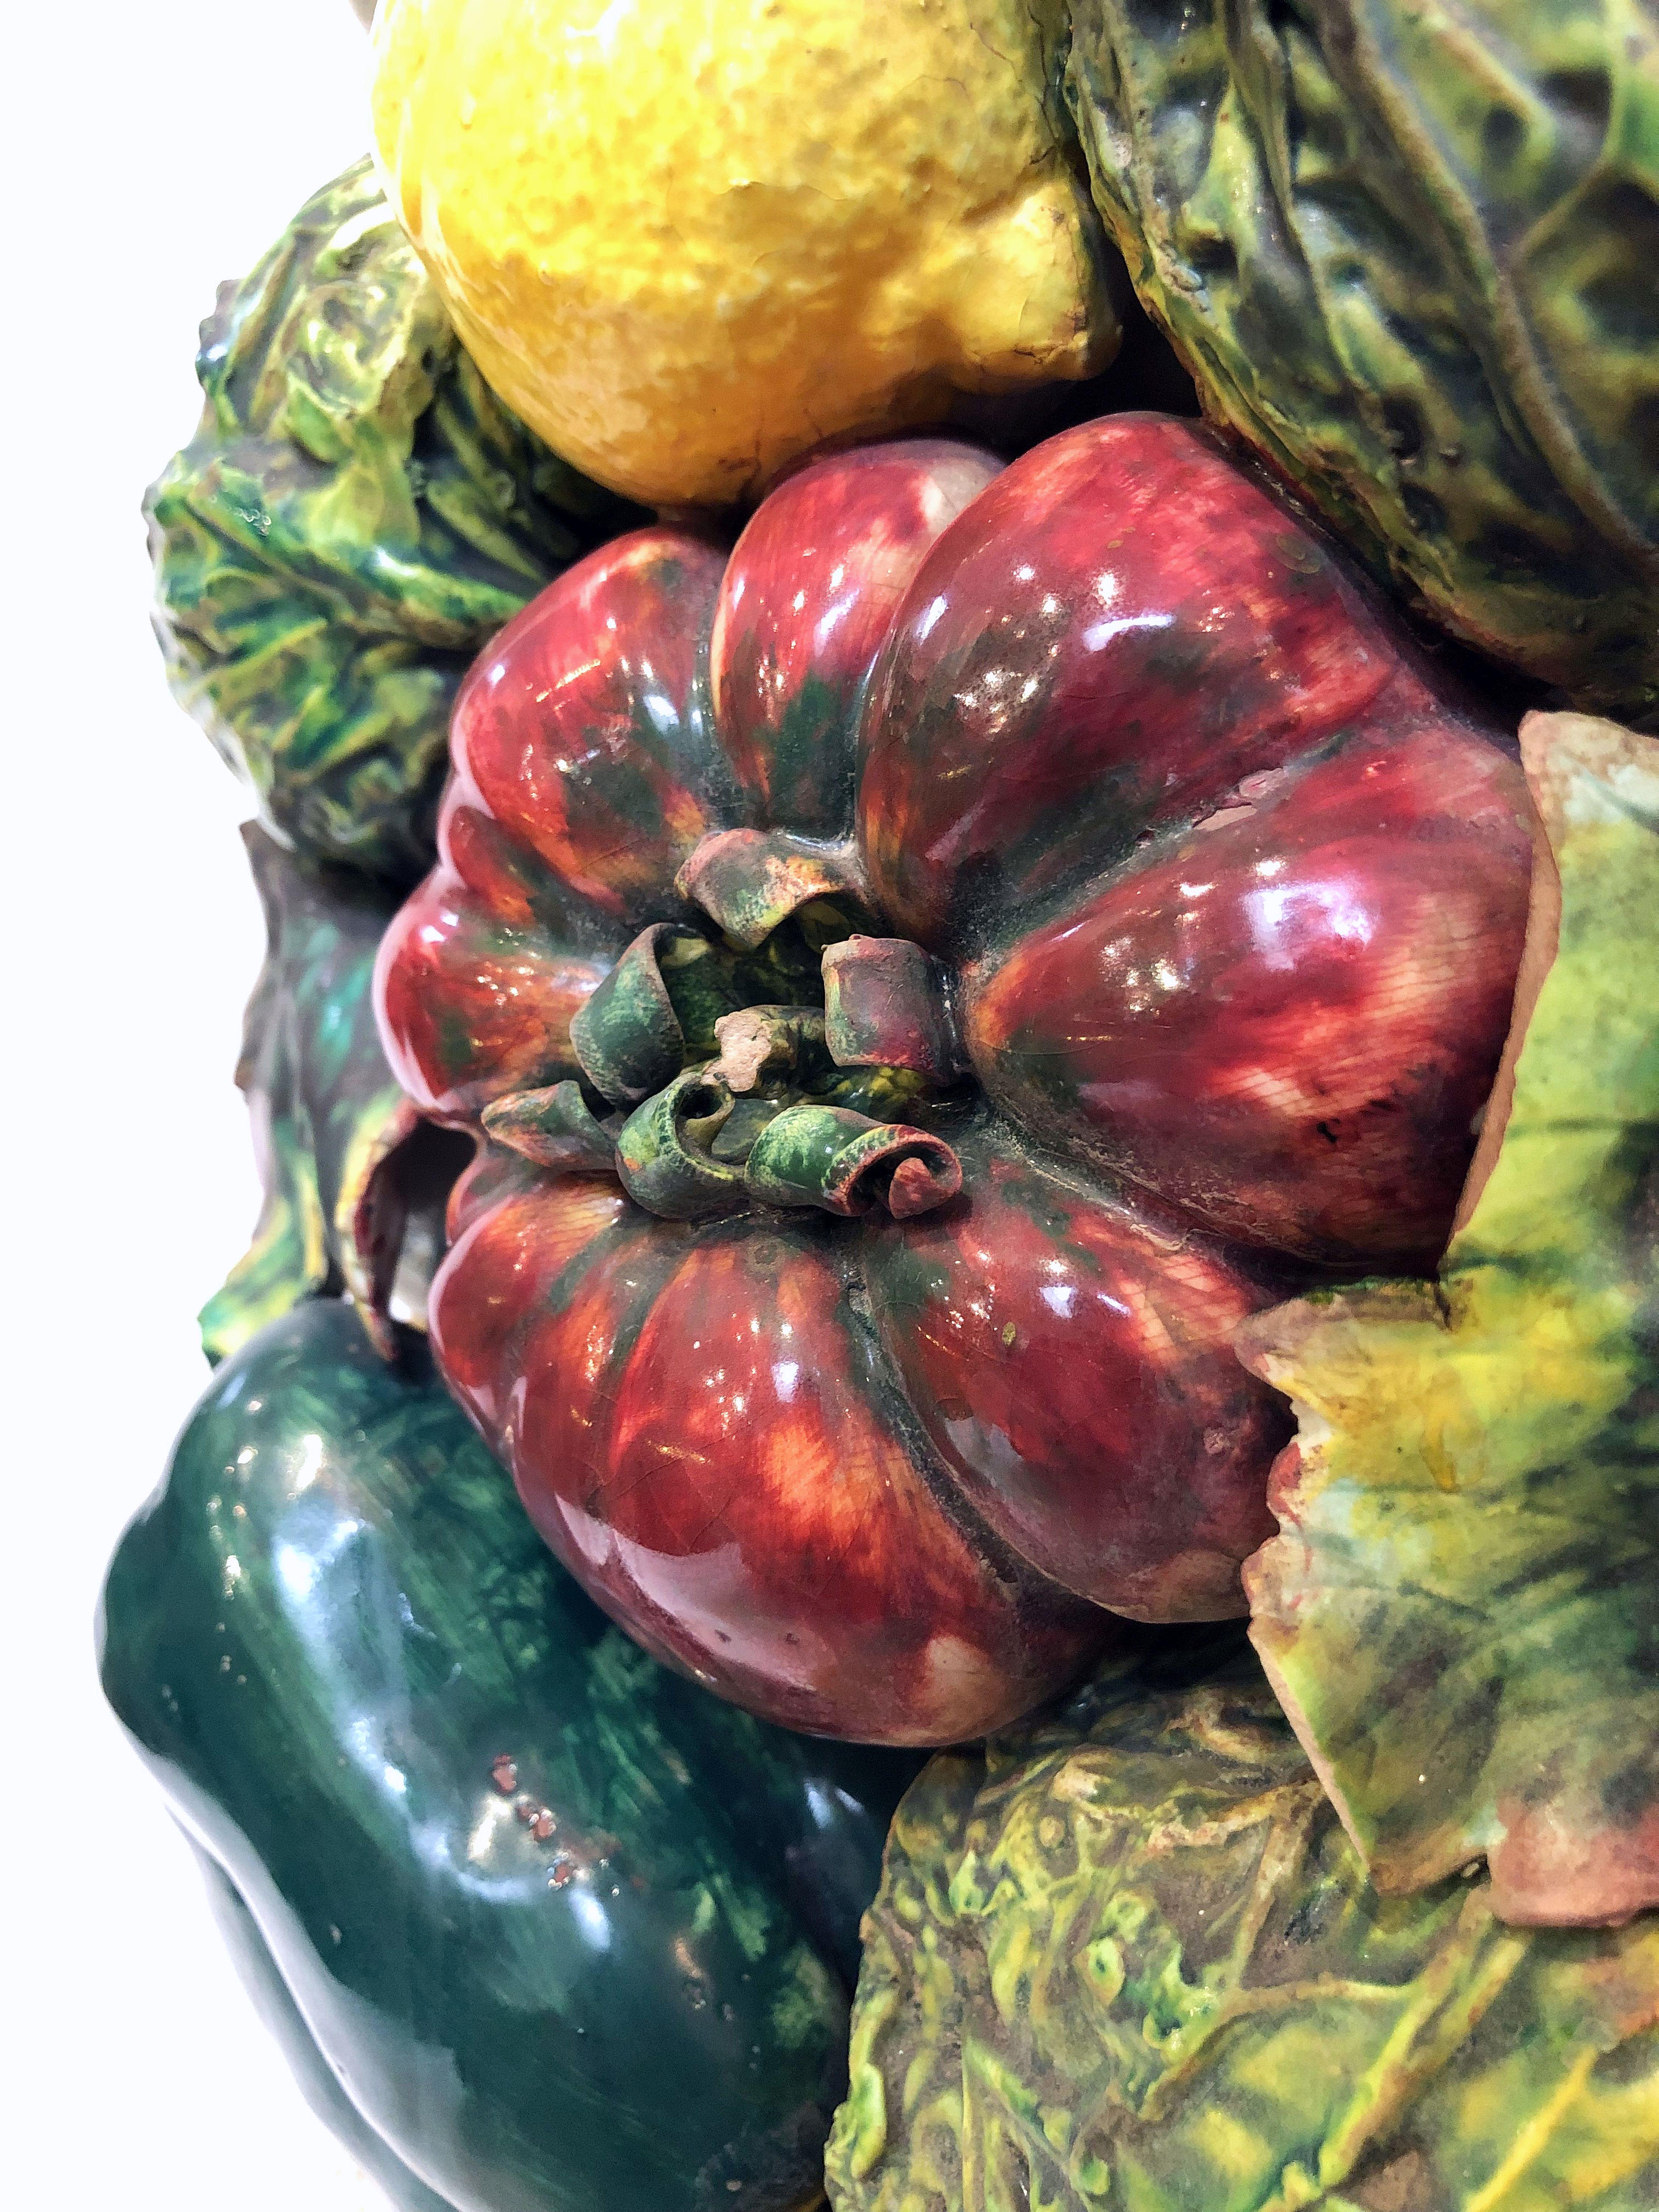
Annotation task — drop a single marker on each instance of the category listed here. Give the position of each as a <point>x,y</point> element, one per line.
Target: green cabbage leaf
<point>355,517</point>
<point>1407,248</point>
<point>1126,1959</point>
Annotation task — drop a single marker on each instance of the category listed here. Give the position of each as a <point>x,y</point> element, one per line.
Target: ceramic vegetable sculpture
<point>355,1180</point>
<point>1507,1415</point>
<point>467,1818</point>
<point>829,239</point>
<point>932,1074</point>
<point>1127,1957</point>
<point>887,1041</point>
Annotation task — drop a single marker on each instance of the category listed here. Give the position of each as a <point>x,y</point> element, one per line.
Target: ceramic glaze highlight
<point>1163,894</point>
<point>573,1936</point>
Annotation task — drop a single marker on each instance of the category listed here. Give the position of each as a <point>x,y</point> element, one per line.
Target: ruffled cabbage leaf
<point>1125,1959</point>
<point>1406,249</point>
<point>355,517</point>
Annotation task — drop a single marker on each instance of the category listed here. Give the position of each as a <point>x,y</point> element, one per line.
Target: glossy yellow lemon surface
<point>688,240</point>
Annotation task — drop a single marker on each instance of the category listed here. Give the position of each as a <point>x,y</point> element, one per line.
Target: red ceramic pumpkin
<point>926,977</point>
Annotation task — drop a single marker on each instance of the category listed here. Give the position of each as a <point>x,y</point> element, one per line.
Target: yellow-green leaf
<point>1126,1960</point>
<point>1461,1610</point>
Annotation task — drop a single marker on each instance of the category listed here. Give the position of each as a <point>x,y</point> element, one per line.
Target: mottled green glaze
<point>666,1156</point>
<point>1462,1612</point>
<point>1127,1961</point>
<point>355,517</point>
<point>1406,249</point>
<point>319,2084</point>
<point>720,1050</point>
<point>555,1128</point>
<point>354,1182</point>
<point>573,1934</point>
<point>843,1163</point>
<point>656,1012</point>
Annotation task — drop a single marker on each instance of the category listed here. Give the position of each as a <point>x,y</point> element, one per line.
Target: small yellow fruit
<point>688,240</point>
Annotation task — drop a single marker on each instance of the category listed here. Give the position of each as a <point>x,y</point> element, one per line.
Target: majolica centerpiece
<point>949,1062</point>
<point>861,1283</point>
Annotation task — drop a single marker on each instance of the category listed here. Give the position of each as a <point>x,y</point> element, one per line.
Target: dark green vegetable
<point>1407,248</point>
<point>1127,1961</point>
<point>354,1182</point>
<point>356,514</point>
<point>319,2084</point>
<point>574,1935</point>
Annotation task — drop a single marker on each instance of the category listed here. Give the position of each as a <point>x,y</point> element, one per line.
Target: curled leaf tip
<point>665,1155</point>
<point>885,1004</point>
<point>751,881</point>
<point>841,1162</point>
<point>923,1179</point>
<point>555,1128</point>
<point>627,1035</point>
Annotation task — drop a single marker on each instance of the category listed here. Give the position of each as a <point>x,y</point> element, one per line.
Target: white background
<point>149,148</point>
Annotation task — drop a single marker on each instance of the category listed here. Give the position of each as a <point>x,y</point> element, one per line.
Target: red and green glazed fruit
<point>926,975</point>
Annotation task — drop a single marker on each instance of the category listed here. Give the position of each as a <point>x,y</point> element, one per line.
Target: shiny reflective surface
<point>1226,899</point>
<point>1124,628</point>
<point>789,666</point>
<point>574,1935</point>
<point>1284,1020</point>
<point>262,1978</point>
<point>706,1428</point>
<point>1070,1362</point>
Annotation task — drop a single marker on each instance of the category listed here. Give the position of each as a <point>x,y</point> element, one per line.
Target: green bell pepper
<point>572,1935</point>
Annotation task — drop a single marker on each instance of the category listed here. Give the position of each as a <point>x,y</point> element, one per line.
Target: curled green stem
<point>665,1155</point>
<point>828,1157</point>
<point>627,1038</point>
<point>801,1154</point>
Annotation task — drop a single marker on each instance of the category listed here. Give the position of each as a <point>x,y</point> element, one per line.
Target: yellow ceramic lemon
<point>688,240</point>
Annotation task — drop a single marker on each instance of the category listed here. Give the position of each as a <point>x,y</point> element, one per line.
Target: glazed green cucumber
<point>574,1935</point>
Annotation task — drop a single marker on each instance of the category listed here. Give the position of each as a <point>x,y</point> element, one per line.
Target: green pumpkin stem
<point>832,1158</point>
<point>885,1005</point>
<point>664,1153</point>
<point>627,1038</point>
<point>751,881</point>
<point>741,1096</point>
